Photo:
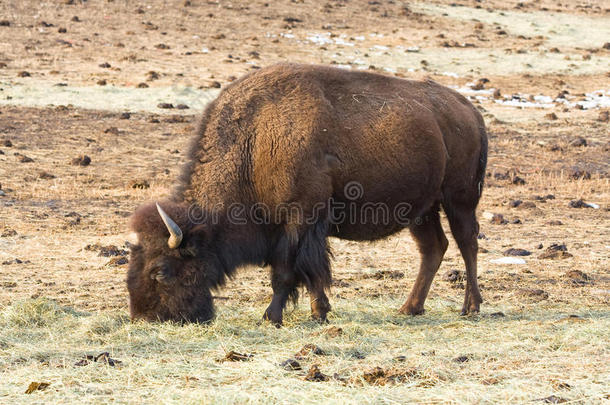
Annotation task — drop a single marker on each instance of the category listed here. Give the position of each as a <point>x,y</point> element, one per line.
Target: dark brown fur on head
<point>172,284</point>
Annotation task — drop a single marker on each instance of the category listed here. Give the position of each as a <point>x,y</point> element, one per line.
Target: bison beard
<point>298,136</point>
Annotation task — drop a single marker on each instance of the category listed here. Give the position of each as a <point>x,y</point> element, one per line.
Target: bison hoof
<point>410,310</point>
<point>472,311</point>
<point>273,318</point>
<point>321,318</point>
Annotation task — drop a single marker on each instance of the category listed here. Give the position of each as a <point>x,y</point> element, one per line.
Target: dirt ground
<point>538,70</point>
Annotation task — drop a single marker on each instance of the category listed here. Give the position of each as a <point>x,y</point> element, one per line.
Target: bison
<point>291,154</point>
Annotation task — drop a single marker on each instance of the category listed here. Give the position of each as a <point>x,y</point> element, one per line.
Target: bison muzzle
<point>292,154</point>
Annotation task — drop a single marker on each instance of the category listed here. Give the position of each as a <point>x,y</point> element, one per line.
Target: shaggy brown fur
<point>296,142</point>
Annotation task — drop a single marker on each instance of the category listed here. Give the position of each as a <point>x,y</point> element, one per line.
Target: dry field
<point>86,78</point>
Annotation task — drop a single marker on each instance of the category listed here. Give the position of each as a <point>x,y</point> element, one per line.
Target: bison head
<point>173,266</point>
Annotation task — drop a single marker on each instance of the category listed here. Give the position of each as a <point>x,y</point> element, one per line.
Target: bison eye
<point>162,275</point>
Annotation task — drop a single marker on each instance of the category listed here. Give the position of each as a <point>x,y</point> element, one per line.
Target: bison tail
<point>482,165</point>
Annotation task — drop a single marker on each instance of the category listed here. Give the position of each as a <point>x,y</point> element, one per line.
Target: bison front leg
<point>320,306</point>
<point>432,244</point>
<point>302,260</point>
<point>284,284</point>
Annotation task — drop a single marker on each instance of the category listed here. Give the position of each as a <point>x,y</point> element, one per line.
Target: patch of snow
<point>341,41</point>
<point>513,102</point>
<point>508,260</point>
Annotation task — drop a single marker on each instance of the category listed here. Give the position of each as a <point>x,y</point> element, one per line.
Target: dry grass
<point>516,358</point>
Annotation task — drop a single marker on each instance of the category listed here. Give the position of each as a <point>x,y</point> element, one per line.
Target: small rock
<point>139,184</point>
<point>606,45</point>
<point>102,82</point>
<point>165,105</point>
<point>453,276</point>
<point>560,385</point>
<point>105,65</point>
<point>291,365</point>
<point>517,252</point>
<point>45,175</point>
<point>162,46</point>
<point>117,261</point>
<point>498,219</point>
<point>497,94</point>
<point>62,30</point>
<point>576,174</point>
<point>532,293</point>
<point>112,130</point>
<point>518,181</point>
<point>82,160</point>
<point>8,233</point>
<point>24,73</point>
<point>5,23</point>
<point>142,85</point>
<point>7,143</point>
<point>604,116</point>
<point>152,75</point>
<point>24,158</point>
<point>515,203</point>
<point>463,359</point>
<point>578,142</point>
<point>551,116</point>
<point>215,84</point>
<point>182,107</point>
<point>579,204</point>
<point>125,116</point>
<point>100,358</point>
<point>555,222</point>
<point>332,331</point>
<point>578,277</point>
<point>490,381</point>
<point>553,399</point>
<point>384,274</point>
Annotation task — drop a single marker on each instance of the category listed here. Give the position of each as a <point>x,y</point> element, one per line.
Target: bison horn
<point>174,230</point>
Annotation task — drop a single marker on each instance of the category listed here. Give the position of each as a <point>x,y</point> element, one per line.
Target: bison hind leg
<point>432,244</point>
<point>465,230</point>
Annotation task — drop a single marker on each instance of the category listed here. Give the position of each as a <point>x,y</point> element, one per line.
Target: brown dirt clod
<point>36,386</point>
<point>314,374</point>
<point>235,356</point>
<point>82,160</point>
<point>307,350</point>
